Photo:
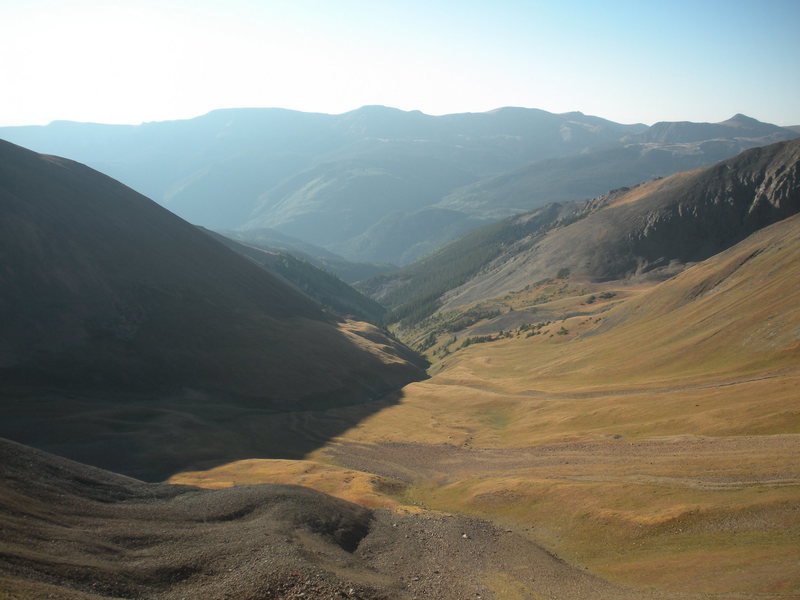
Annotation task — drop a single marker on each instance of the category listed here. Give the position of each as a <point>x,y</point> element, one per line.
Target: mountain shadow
<point>274,241</point>
<point>133,341</point>
<point>322,286</point>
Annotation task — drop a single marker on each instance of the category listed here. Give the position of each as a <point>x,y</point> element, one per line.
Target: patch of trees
<point>469,318</point>
<point>325,288</point>
<point>478,339</point>
<point>604,296</point>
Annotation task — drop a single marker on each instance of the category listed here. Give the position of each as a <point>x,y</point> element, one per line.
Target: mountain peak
<point>742,119</point>
<point>377,108</point>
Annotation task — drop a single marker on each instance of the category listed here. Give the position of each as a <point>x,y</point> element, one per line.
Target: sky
<point>134,61</point>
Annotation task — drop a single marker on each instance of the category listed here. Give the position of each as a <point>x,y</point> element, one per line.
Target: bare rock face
<point>651,230</point>
<point>719,206</point>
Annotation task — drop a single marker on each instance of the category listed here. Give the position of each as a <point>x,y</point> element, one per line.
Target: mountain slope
<point>652,437</point>
<point>275,241</point>
<point>72,531</point>
<point>651,230</point>
<point>684,218</point>
<point>406,237</point>
<point>658,152</point>
<point>110,299</point>
<point>327,289</point>
<point>415,291</point>
<point>289,170</point>
<point>337,201</point>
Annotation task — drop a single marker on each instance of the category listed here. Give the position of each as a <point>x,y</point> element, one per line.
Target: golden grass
<point>371,339</point>
<point>506,586</point>
<point>646,536</point>
<point>354,486</point>
<point>657,185</point>
<point>710,358</point>
<point>657,443</point>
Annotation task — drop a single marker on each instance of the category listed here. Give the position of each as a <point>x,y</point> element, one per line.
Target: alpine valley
<point>386,355</point>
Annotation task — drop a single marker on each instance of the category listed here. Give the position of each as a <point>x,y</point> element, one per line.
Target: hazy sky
<point>648,60</point>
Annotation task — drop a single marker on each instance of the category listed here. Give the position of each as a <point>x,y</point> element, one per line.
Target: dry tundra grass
<point>657,445</point>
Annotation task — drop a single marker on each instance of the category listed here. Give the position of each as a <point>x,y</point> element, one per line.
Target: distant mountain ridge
<point>663,149</point>
<point>737,127</point>
<point>366,184</point>
<point>286,170</point>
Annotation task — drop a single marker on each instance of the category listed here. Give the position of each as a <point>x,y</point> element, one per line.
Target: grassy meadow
<point>654,442</point>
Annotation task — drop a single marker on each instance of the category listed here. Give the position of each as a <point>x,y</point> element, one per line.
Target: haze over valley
<point>382,185</point>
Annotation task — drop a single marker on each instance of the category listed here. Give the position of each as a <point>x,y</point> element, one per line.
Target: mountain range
<point>663,149</point>
<point>379,184</point>
<point>650,230</point>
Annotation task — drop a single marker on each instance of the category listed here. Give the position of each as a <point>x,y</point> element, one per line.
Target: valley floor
<point>650,450</point>
<point>655,445</point>
<point>684,515</point>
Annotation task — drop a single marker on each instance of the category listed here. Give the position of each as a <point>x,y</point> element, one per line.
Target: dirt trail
<point>726,462</point>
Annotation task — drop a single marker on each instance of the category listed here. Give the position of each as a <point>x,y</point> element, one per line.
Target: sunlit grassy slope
<point>356,486</point>
<point>656,443</point>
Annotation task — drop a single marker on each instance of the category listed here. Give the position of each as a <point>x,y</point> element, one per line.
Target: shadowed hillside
<point>127,332</point>
<point>274,241</point>
<point>325,288</point>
